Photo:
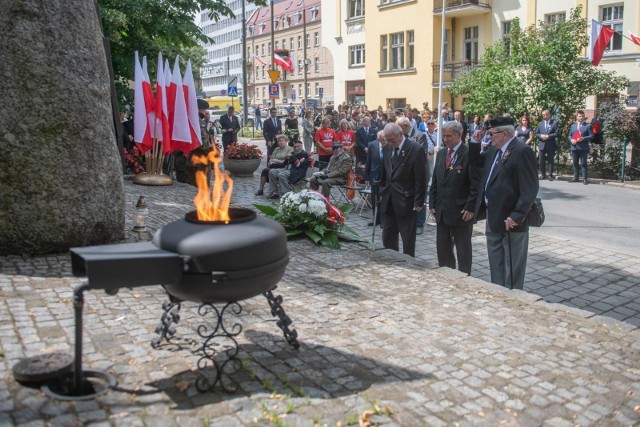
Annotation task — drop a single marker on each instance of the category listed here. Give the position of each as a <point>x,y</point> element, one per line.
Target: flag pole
<point>441,76</point>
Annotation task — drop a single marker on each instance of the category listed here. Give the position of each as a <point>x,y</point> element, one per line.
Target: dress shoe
<point>585,182</point>
<point>274,196</point>
<point>552,178</point>
<point>370,224</point>
<point>259,193</point>
<point>574,180</point>
<point>542,177</point>
<point>419,230</point>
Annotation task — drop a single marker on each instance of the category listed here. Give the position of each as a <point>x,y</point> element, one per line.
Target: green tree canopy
<point>536,68</point>
<point>152,26</point>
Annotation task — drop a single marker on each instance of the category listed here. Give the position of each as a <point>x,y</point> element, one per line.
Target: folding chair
<point>365,194</point>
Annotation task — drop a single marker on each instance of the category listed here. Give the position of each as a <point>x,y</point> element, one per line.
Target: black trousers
<point>546,156</point>
<point>446,238</point>
<point>404,225</point>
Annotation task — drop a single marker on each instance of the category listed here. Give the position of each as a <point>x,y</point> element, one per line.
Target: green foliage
<point>152,26</point>
<point>536,68</point>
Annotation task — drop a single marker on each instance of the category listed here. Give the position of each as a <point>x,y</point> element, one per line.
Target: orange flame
<point>212,204</point>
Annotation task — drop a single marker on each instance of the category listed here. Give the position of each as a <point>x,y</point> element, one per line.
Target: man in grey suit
<point>508,188</point>
<point>452,199</point>
<point>546,133</point>
<point>403,187</point>
<point>372,170</point>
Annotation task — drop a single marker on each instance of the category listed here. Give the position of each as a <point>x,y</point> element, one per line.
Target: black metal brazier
<point>225,261</point>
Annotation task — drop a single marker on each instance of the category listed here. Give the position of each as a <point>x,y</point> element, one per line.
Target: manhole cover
<point>45,367</point>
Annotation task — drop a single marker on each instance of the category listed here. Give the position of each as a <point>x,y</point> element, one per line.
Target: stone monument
<point>61,179</point>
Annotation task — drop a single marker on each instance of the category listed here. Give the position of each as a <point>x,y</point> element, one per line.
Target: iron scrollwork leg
<point>219,347</point>
<point>170,316</point>
<point>275,302</point>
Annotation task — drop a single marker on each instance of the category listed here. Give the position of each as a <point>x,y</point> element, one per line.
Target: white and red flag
<point>162,131</point>
<point>180,134</point>
<point>260,61</point>
<point>635,38</point>
<point>142,106</point>
<point>285,64</point>
<point>599,40</point>
<point>192,106</point>
<point>149,99</point>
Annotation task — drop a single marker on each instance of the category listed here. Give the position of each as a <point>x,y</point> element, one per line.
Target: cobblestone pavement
<point>382,335</point>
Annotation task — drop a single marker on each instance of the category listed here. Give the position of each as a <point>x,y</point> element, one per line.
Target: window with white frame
<point>356,55</point>
<point>471,45</point>
<point>316,39</point>
<point>552,18</point>
<point>284,92</point>
<point>299,66</point>
<point>384,53</point>
<point>410,49</point>
<point>397,51</point>
<point>314,13</point>
<point>506,27</point>
<point>284,43</point>
<point>307,41</point>
<point>445,46</point>
<point>316,65</point>
<point>291,46</point>
<point>299,42</point>
<point>356,8</point>
<point>308,90</point>
<point>317,92</point>
<point>612,18</point>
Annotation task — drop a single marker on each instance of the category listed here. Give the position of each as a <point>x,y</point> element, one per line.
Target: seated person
<point>277,161</point>
<point>283,180</point>
<point>336,173</point>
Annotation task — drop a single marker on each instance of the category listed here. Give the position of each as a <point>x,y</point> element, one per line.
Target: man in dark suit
<point>457,116</point>
<point>507,190</point>
<point>230,127</point>
<point>402,187</point>
<point>271,127</point>
<point>372,170</point>
<point>364,136</point>
<point>297,164</point>
<point>580,134</point>
<point>452,199</point>
<point>546,132</point>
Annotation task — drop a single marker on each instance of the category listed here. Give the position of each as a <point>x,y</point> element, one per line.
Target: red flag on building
<point>600,36</point>
<point>278,60</point>
<point>635,38</point>
<point>141,125</point>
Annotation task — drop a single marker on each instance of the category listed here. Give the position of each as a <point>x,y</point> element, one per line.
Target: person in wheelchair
<point>336,173</point>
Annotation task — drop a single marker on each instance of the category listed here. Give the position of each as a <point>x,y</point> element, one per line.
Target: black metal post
<point>78,306</point>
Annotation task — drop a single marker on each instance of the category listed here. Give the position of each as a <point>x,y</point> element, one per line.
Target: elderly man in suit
<point>452,199</point>
<point>336,173</point>
<point>580,134</point>
<point>271,127</point>
<point>403,187</point>
<point>507,190</point>
<point>230,127</point>
<point>372,170</point>
<point>283,180</point>
<point>546,133</point>
<point>364,136</point>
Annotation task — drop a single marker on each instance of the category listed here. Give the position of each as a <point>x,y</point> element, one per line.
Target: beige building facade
<point>291,38</point>
<point>403,41</point>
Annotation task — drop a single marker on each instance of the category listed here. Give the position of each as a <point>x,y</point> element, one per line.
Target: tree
<point>621,123</point>
<point>152,26</point>
<point>537,68</point>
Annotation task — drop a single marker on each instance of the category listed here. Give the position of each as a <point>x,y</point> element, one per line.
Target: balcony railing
<point>452,71</point>
<point>459,8</point>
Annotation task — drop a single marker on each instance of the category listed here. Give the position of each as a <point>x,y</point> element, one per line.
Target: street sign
<point>320,92</point>
<point>274,91</point>
<point>232,90</point>
<point>273,74</point>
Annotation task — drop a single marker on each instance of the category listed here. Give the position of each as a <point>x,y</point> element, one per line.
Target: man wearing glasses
<point>335,174</point>
<point>402,188</point>
<point>508,188</point>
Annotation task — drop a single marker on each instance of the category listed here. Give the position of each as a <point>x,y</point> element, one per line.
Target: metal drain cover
<point>42,368</point>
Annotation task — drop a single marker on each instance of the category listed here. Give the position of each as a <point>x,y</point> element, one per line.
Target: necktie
<point>447,162</point>
<point>546,125</point>
<point>394,159</point>
<point>366,131</point>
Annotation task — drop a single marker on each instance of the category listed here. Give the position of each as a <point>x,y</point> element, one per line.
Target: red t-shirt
<point>326,137</point>
<point>348,138</point>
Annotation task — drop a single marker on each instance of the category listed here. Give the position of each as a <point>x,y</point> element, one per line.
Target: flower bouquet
<point>242,152</point>
<point>134,160</point>
<point>310,213</point>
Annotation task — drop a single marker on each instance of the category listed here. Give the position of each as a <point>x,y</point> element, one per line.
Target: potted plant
<point>242,160</point>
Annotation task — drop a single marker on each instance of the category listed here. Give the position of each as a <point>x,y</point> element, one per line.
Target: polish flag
<point>162,112</point>
<point>634,38</point>
<point>141,127</point>
<point>599,40</point>
<point>278,60</point>
<point>180,134</point>
<point>170,95</point>
<point>192,106</point>
<point>260,61</point>
<point>149,100</point>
